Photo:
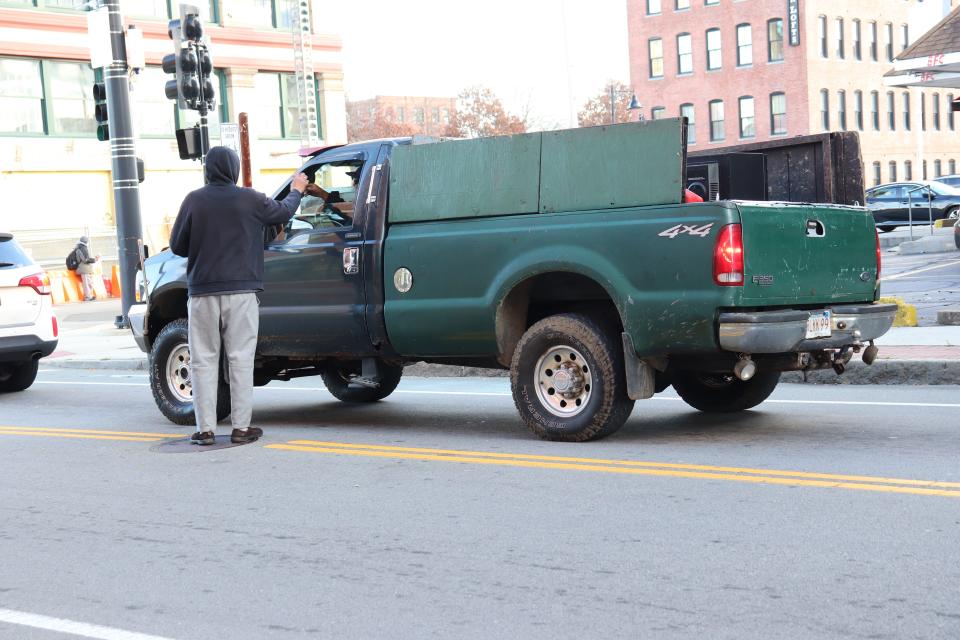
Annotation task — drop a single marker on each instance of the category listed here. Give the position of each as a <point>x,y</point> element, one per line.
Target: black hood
<point>222,166</point>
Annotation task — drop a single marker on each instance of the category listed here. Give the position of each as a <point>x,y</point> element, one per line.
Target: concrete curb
<point>904,372</point>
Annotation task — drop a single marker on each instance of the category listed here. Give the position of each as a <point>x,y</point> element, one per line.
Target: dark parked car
<point>929,200</point>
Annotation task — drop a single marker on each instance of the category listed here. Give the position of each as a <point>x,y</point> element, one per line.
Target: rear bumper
<point>785,331</point>
<point>25,348</point>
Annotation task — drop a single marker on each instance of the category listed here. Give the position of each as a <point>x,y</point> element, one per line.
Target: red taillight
<point>728,257</point>
<point>39,282</point>
<point>56,329</point>
<point>877,235</point>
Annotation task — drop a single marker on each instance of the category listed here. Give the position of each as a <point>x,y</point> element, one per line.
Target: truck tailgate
<point>807,254</point>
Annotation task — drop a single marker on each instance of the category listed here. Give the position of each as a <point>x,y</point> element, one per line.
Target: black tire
<point>17,376</point>
<point>175,403</point>
<point>953,213</point>
<point>336,378</point>
<point>597,389</point>
<point>886,228</point>
<point>724,393</point>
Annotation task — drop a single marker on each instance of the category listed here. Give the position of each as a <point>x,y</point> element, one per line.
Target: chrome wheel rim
<point>178,373</point>
<point>564,381</point>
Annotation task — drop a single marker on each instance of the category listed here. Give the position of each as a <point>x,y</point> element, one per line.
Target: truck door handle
<point>353,235</point>
<point>373,176</point>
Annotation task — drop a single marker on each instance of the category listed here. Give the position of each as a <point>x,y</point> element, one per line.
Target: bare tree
<point>480,114</point>
<point>365,123</point>
<point>597,109</point>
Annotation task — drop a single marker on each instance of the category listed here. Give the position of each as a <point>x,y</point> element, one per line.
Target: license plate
<point>818,325</point>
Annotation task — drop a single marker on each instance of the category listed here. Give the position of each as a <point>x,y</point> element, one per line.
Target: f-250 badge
<point>690,229</point>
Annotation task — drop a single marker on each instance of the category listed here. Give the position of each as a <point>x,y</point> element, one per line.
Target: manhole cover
<point>185,446</point>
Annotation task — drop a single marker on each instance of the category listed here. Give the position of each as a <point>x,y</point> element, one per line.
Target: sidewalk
<point>908,355</point>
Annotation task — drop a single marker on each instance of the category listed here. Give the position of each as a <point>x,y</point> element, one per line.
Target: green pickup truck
<point>567,257</point>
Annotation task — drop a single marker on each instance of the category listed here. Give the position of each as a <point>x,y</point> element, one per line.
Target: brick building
<point>754,70</point>
<point>48,131</point>
<point>425,116</point>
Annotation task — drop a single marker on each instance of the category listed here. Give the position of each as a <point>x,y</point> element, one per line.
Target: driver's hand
<point>300,182</point>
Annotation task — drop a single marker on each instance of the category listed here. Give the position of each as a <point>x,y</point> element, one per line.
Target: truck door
<point>313,303</point>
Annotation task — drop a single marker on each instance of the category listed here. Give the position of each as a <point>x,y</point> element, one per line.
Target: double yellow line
<point>87,434</point>
<point>634,467</point>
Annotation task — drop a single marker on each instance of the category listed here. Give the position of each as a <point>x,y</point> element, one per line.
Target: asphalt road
<point>931,282</point>
<point>826,513</point>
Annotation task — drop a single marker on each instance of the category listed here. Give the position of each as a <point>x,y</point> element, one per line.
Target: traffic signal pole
<point>126,193</point>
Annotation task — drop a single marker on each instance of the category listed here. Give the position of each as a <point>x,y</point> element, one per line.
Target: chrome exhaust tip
<point>745,368</point>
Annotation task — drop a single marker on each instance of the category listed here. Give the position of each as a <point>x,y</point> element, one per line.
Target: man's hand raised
<point>300,182</point>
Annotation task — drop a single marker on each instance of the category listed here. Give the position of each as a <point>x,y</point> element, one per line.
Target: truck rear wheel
<point>567,379</point>
<point>170,376</point>
<point>724,392</point>
<point>337,379</point>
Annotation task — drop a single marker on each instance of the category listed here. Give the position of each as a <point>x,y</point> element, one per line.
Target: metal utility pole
<point>306,85</point>
<point>126,193</point>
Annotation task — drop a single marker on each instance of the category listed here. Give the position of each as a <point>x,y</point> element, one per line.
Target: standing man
<point>220,231</point>
<point>85,263</point>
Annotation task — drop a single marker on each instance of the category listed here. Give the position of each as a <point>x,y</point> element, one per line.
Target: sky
<point>542,57</point>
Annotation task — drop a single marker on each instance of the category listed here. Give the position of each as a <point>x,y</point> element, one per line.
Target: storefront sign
<point>793,20</point>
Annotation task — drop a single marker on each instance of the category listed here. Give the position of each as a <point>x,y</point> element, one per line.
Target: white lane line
<point>897,276</point>
<point>71,626</point>
<point>851,403</point>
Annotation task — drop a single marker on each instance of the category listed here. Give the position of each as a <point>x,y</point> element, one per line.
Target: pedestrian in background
<point>85,264</point>
<point>219,229</point>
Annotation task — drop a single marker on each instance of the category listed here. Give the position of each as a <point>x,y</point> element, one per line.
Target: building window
<point>279,113</point>
<point>778,114</point>
<point>953,166</point>
<point>146,8</point>
<point>841,49</point>
<point>873,41</point>
<point>684,53</point>
<point>822,34</point>
<point>936,112</point>
<point>923,111</point>
<point>825,109</point>
<point>774,40</point>
<point>748,127</point>
<point>904,36</point>
<point>658,113</point>
<point>446,116</point>
<point>400,114</point>
<point>858,109</point>
<point>435,115</point>
<point>254,12</point>
<point>949,112</point>
<point>842,109</point>
<point>857,51</point>
<point>683,4</point>
<point>714,58</point>
<point>889,42</point>
<point>906,112</point>
<point>70,93</point>
<point>891,112</point>
<point>655,46</point>
<point>876,173</point>
<point>937,169</point>
<point>924,169</point>
<point>653,7</point>
<point>716,121</point>
<point>21,96</point>
<point>687,111</point>
<point>418,115</point>
<point>875,110</point>
<point>893,171</point>
<point>907,170</point>
<point>744,45</point>
<point>154,112</point>
<point>710,2</point>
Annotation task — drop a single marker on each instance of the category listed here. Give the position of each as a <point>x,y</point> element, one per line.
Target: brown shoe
<point>203,438</point>
<point>243,436</point>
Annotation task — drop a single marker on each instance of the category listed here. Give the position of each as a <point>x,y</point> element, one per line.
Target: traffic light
<point>190,62</point>
<point>100,106</point>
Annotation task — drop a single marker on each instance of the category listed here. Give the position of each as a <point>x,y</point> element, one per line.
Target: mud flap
<point>641,377</point>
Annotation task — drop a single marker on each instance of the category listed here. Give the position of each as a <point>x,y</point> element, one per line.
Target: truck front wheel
<point>170,376</point>
<point>567,379</point>
<point>337,378</point>
<point>724,392</point>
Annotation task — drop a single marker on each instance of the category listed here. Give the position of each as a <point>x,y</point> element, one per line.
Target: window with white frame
<point>655,47</point>
<point>744,45</point>
<point>21,96</point>
<point>714,44</point>
<point>684,53</point>
<point>687,111</point>
<point>774,40</point>
<point>748,127</point>
<point>778,113</point>
<point>717,132</point>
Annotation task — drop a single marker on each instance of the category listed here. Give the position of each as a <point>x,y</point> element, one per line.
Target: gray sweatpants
<point>231,320</point>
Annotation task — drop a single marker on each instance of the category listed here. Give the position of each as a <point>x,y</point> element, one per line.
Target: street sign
<point>98,33</point>
<point>230,136</point>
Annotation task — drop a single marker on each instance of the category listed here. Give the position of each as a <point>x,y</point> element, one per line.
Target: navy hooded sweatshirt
<point>220,229</point>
